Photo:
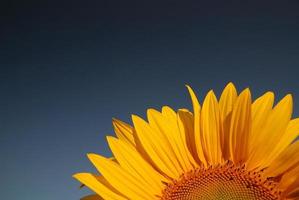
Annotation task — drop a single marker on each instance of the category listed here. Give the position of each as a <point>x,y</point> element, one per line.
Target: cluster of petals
<point>149,156</point>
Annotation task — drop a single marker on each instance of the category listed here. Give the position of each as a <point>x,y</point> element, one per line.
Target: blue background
<point>68,68</point>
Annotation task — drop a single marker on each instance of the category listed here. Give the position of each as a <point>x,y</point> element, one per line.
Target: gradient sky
<point>67,68</point>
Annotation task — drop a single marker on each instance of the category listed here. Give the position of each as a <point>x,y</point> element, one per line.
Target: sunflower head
<point>228,148</point>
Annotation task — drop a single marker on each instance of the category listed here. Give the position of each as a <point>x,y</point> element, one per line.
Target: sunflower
<point>234,148</point>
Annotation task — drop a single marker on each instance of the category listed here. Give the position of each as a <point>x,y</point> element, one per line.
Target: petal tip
<point>211,93</point>
<point>110,138</point>
<point>246,93</point>
<point>115,120</point>
<point>191,91</point>
<point>79,176</point>
<point>187,86</point>
<point>135,117</point>
<point>92,156</point>
<point>230,85</point>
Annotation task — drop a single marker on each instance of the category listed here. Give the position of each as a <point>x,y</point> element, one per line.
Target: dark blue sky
<point>67,68</point>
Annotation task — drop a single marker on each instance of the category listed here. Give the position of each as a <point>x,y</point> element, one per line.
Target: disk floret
<point>226,181</point>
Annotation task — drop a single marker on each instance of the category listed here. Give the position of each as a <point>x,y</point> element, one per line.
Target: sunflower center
<point>221,183</point>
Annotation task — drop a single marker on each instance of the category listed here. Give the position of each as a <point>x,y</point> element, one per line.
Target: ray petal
<point>240,127</point>
<point>121,179</point>
<point>271,133</point>
<point>185,123</point>
<point>197,137</point>
<point>176,137</point>
<point>123,131</point>
<point>132,161</point>
<point>291,133</point>
<point>285,161</point>
<point>261,109</point>
<point>156,146</point>
<point>226,104</point>
<point>159,123</point>
<point>290,181</point>
<point>210,124</point>
<point>91,181</point>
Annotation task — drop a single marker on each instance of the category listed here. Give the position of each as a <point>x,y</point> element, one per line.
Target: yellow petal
<point>240,127</point>
<point>131,161</point>
<point>159,123</point>
<point>157,147</point>
<point>290,180</point>
<point>185,123</point>
<point>120,178</point>
<point>226,104</point>
<point>91,181</point>
<point>197,137</point>
<point>171,129</point>
<point>165,124</point>
<point>123,131</point>
<point>103,181</point>
<point>285,161</point>
<point>272,132</point>
<point>291,133</point>
<point>261,109</point>
<point>210,124</point>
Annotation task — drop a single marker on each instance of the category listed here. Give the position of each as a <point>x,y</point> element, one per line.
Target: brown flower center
<point>225,182</point>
